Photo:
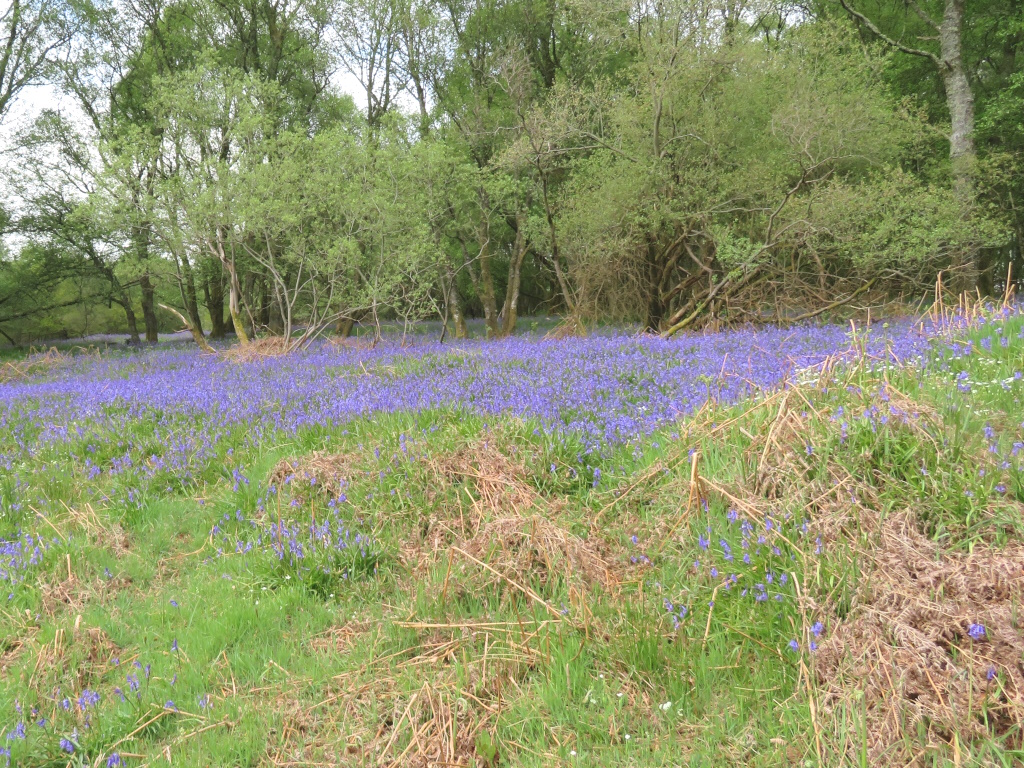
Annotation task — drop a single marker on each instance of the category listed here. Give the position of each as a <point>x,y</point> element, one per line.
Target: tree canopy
<point>675,163</point>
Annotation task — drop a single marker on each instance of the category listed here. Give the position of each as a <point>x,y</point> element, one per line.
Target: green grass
<point>385,654</point>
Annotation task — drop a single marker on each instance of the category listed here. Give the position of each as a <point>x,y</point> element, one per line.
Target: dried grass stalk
<point>570,327</point>
<point>500,482</point>
<point>33,365</point>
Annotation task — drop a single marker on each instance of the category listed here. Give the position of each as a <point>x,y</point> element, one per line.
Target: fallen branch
<point>197,334</point>
<point>836,304</point>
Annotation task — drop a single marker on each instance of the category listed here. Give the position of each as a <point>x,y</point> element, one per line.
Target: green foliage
<point>661,163</point>
<point>891,223</point>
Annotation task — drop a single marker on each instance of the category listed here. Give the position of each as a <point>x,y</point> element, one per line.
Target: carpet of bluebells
<point>159,421</point>
<point>606,390</point>
<point>142,424</point>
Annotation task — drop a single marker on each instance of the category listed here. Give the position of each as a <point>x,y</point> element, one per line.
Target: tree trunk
<point>149,308</point>
<point>235,303</point>
<point>454,302</point>
<point>129,316</point>
<point>234,287</point>
<point>141,237</point>
<point>959,99</point>
<point>487,296</point>
<point>249,300</point>
<point>343,328</point>
<point>214,295</point>
<point>563,284</point>
<point>197,333</point>
<point>510,309</point>
<point>189,296</point>
<point>655,306</point>
<point>275,317</point>
<point>121,296</point>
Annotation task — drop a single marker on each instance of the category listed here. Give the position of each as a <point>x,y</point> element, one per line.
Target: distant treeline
<point>677,163</point>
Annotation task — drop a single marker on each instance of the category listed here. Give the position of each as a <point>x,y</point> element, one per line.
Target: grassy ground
<point>795,580</point>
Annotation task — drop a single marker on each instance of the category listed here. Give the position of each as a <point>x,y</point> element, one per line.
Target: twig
<point>394,733</point>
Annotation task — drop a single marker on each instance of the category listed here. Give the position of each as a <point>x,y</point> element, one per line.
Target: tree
<point>34,34</point>
<point>682,163</point>
<point>56,179</point>
<point>944,22</point>
<point>697,184</point>
<point>949,60</point>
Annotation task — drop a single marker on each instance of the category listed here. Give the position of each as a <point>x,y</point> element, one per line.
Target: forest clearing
<point>795,546</point>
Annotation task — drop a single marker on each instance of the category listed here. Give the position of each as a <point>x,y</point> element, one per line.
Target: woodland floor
<point>824,573</point>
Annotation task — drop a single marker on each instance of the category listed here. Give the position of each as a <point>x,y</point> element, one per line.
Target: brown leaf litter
<point>318,472</point>
<point>905,646</point>
<point>534,549</point>
<point>258,349</point>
